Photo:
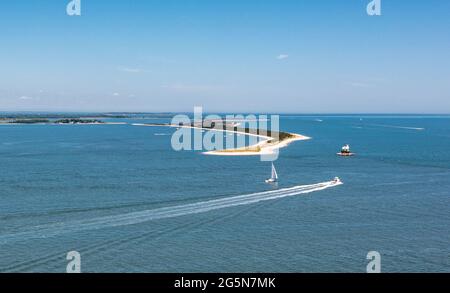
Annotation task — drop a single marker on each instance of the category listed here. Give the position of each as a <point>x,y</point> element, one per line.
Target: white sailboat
<point>274,177</point>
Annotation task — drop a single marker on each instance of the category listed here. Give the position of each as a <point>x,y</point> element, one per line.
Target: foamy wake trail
<point>132,218</point>
<point>400,127</point>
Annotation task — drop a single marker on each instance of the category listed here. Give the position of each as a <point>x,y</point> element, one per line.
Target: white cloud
<point>131,70</point>
<point>116,94</point>
<point>361,84</point>
<point>25,98</point>
<point>282,56</point>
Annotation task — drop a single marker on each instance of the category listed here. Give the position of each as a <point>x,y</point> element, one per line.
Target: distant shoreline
<point>104,123</point>
<point>61,121</point>
<point>269,144</point>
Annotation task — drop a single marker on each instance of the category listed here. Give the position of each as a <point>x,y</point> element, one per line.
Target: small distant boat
<point>345,151</point>
<point>274,177</point>
<point>337,180</point>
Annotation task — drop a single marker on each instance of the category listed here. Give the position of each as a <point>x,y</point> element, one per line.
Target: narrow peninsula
<point>269,141</point>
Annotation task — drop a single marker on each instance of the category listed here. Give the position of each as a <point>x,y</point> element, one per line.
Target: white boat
<point>345,151</point>
<point>274,177</point>
<point>337,180</point>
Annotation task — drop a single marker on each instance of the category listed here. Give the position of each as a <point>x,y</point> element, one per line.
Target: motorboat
<point>345,151</point>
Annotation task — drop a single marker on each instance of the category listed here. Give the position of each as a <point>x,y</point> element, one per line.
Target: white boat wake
<point>132,218</point>
<point>399,127</point>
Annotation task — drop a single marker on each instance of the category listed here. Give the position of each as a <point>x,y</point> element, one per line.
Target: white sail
<point>274,177</point>
<point>274,173</point>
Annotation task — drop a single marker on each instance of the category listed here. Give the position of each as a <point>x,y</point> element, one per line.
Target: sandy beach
<point>267,146</point>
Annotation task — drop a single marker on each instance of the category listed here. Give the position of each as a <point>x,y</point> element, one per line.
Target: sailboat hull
<point>346,154</point>
<point>274,177</point>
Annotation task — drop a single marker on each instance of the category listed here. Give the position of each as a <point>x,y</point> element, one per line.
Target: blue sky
<point>299,56</point>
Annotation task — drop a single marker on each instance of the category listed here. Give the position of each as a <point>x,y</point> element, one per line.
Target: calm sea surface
<point>396,199</point>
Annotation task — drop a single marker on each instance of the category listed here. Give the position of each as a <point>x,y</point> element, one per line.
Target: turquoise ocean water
<point>396,199</point>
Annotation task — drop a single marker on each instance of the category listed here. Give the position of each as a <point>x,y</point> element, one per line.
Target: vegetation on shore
<point>28,121</point>
<point>78,121</point>
<point>275,136</point>
<point>48,121</point>
<point>52,116</point>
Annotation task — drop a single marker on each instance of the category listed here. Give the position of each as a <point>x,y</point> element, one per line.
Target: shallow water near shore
<point>395,200</point>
